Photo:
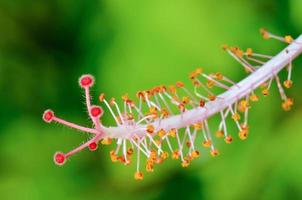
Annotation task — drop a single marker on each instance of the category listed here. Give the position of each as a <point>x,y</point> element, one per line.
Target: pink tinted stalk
<point>75,126</point>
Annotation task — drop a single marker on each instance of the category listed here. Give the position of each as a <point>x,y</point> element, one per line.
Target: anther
<point>264,33</point>
<point>101,97</point>
<point>228,139</point>
<point>113,156</point>
<point>219,133</point>
<point>150,129</point>
<point>106,141</point>
<point>288,84</point>
<point>207,143</point>
<point>288,39</point>
<point>179,84</point>
<point>138,176</point>
<point>214,152</point>
<point>287,104</point>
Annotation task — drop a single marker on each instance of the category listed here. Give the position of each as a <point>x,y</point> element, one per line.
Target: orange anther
<point>179,84</point>
<point>219,133</point>
<point>288,84</point>
<point>228,139</point>
<point>288,39</point>
<point>138,176</point>
<point>172,132</point>
<point>207,143</point>
<point>249,52</point>
<point>150,128</point>
<point>101,97</point>
<point>214,152</point>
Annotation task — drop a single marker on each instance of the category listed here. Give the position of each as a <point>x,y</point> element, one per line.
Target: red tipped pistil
<point>93,146</point>
<point>86,80</point>
<point>59,158</point>
<point>48,116</point>
<point>96,111</point>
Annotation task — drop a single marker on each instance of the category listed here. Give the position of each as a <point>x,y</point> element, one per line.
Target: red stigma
<point>86,80</point>
<point>93,146</point>
<point>96,111</point>
<point>59,158</point>
<point>48,116</point>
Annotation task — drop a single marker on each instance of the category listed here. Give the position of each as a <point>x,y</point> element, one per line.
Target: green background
<point>128,46</point>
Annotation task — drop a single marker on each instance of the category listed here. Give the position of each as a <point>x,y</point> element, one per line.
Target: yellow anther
<point>112,101</point>
<point>164,112</point>
<point>244,132</point>
<point>207,143</point>
<point>164,155</point>
<point>129,151</point>
<point>140,94</point>
<point>153,110</point>
<point>239,53</point>
<point>288,39</point>
<point>228,139</point>
<point>158,142</point>
<point>101,97</point>
<point>287,104</point>
<point>106,141</point>
<point>199,70</point>
<point>188,144</point>
<point>153,155</point>
<point>185,163</point>
<point>214,152</point>
<point>288,84</point>
<point>264,33</point>
<point>265,92</point>
<point>159,160</point>
<point>249,52</point>
<point>225,47</point>
<point>185,100</point>
<point>150,128</point>
<point>196,83</point>
<point>175,155</point>
<point>125,97</point>
<point>113,156</point>
<point>149,167</point>
<point>212,97</point>
<point>219,133</point>
<point>197,126</point>
<point>210,83</point>
<point>195,73</point>
<point>179,84</point>
<point>162,88</point>
<point>254,97</point>
<point>195,154</point>
<point>218,76</point>
<point>243,105</point>
<point>181,107</point>
<point>172,132</point>
<point>138,176</point>
<point>130,116</point>
<point>236,117</point>
<point>161,133</point>
<point>172,89</point>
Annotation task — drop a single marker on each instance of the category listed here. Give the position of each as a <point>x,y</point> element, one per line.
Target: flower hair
<point>167,121</point>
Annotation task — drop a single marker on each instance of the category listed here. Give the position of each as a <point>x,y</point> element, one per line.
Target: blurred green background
<point>133,45</point>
